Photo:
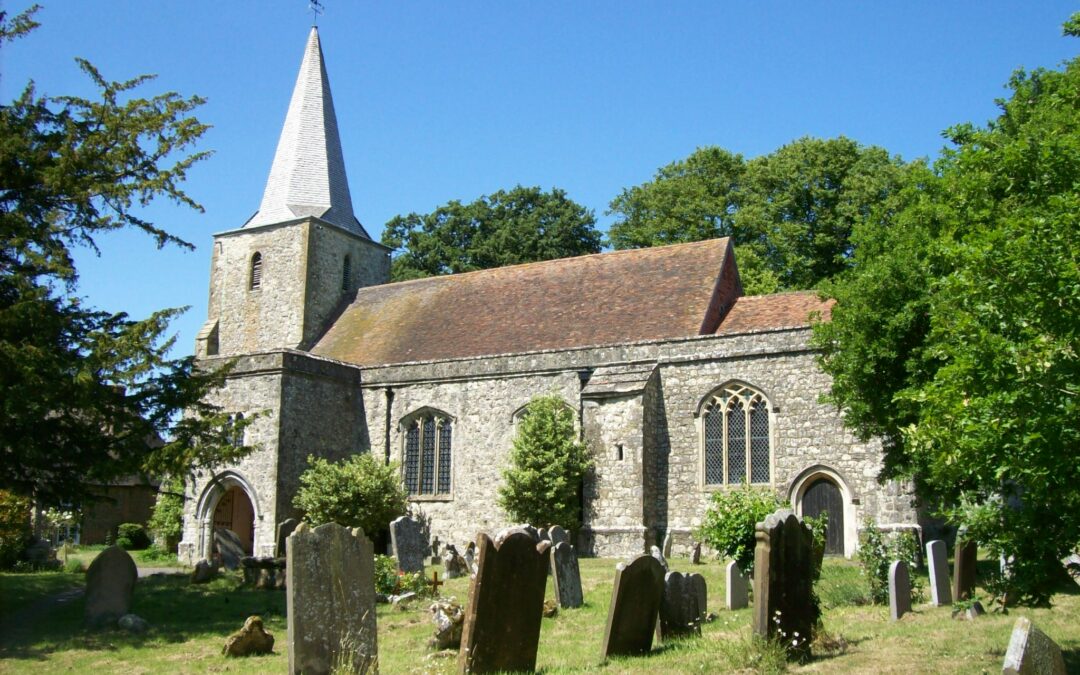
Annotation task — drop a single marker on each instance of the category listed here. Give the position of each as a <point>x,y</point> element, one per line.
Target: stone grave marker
<point>229,548</point>
<point>284,529</point>
<point>737,593</point>
<point>110,583</point>
<point>566,575</point>
<point>695,554</point>
<point>506,603</point>
<point>701,592</point>
<point>899,590</point>
<point>1032,652</point>
<point>556,534</point>
<point>940,593</point>
<point>330,598</point>
<point>542,533</point>
<point>409,543</point>
<point>635,605</point>
<point>965,553</point>
<point>783,581</point>
<point>655,550</point>
<point>454,564</point>
<point>680,614</point>
<point>668,543</point>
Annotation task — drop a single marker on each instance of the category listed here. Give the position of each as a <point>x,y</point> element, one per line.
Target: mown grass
<point>191,622</point>
<point>149,557</point>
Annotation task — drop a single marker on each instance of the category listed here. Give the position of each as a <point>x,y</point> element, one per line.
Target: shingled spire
<point>308,174</point>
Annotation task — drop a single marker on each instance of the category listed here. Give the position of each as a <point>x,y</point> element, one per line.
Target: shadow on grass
<point>176,610</point>
<point>1072,660</point>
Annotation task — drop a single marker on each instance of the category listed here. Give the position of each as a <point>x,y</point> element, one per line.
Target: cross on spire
<point>316,8</point>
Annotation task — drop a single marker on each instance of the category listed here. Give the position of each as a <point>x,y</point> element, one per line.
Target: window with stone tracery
<point>736,443</point>
<point>428,454</point>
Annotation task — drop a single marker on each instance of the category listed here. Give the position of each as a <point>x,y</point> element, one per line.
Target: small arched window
<point>428,454</point>
<point>346,274</point>
<point>256,271</point>
<point>737,445</point>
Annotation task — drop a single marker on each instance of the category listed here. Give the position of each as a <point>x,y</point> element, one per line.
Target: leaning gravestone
<point>284,529</point>
<point>965,554</point>
<point>506,603</point>
<point>635,604</point>
<point>939,573</point>
<point>701,592</point>
<point>566,575</point>
<point>679,612</point>
<point>110,583</point>
<point>737,594</point>
<point>1032,652</point>
<point>331,599</point>
<point>229,547</point>
<point>899,590</point>
<point>556,534</point>
<point>783,582</point>
<point>409,543</point>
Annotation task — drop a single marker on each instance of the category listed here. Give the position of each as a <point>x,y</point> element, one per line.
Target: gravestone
<point>542,533</point>
<point>659,557</point>
<point>695,554</point>
<point>1032,652</point>
<point>409,543</point>
<point>668,543</point>
<point>556,534</point>
<point>284,529</point>
<point>899,590</point>
<point>965,554</point>
<point>252,639</point>
<point>454,565</point>
<point>229,548</point>
<point>1072,566</point>
<point>737,594</point>
<point>680,614</point>
<point>940,593</point>
<point>110,583</point>
<point>635,605</point>
<point>506,603</point>
<point>701,592</point>
<point>330,599</point>
<point>566,575</point>
<point>783,582</point>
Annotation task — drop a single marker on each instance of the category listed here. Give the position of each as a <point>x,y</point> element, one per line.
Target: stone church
<point>680,384</point>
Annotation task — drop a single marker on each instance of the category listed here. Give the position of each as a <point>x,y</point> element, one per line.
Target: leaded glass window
<point>714,445</point>
<point>412,457</point>
<point>736,442</point>
<point>428,455</point>
<point>444,457</point>
<point>737,445</point>
<point>759,443</point>
<point>427,462</point>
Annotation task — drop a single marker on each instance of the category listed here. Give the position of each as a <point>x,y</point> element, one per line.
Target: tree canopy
<point>521,225</point>
<point>790,213</point>
<point>359,491</point>
<point>955,333</point>
<point>87,395</point>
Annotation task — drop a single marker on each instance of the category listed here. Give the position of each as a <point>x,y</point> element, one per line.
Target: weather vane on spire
<point>316,8</point>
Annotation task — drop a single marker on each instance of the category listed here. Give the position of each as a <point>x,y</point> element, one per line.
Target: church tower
<point>277,281</point>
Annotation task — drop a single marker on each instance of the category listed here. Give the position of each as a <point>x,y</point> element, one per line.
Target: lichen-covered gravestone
<point>284,529</point>
<point>737,593</point>
<point>410,544</point>
<point>110,583</point>
<point>940,594</point>
<point>965,554</point>
<point>783,582</point>
<point>679,612</point>
<point>506,603</point>
<point>556,534</point>
<point>331,599</point>
<point>899,590</point>
<point>566,575</point>
<point>1032,652</point>
<point>635,604</point>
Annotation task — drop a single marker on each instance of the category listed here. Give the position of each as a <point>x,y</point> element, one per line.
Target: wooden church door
<point>823,495</point>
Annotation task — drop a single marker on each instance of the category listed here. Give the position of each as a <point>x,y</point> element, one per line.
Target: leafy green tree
<point>359,491</point>
<point>730,521</point>
<point>542,485</point>
<point>167,519</point>
<point>955,335</point>
<point>83,391</point>
<point>506,228</point>
<point>789,213</point>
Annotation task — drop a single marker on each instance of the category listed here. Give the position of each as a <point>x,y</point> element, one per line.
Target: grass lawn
<point>145,558</point>
<point>189,624</point>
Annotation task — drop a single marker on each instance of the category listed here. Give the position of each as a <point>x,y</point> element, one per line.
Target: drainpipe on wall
<point>389,405</point>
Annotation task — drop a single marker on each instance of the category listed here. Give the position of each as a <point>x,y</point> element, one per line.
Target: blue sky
<point>439,101</point>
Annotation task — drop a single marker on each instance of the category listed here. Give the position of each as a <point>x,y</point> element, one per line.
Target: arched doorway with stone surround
<point>228,501</point>
<point>820,489</point>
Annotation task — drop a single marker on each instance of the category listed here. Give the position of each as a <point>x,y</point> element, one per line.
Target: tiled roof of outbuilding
<point>753,313</point>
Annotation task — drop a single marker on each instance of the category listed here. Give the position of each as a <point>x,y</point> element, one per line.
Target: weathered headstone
<point>940,593</point>
<point>701,592</point>
<point>331,599</point>
<point>250,640</point>
<point>695,554</point>
<point>566,575</point>
<point>449,618</point>
<point>655,550</point>
<point>284,529</point>
<point>204,572</point>
<point>899,590</point>
<point>783,582</point>
<point>556,534</point>
<point>737,592</point>
<point>409,542</point>
<point>542,533</point>
<point>635,605</point>
<point>965,554</point>
<point>1032,652</point>
<point>454,565</point>
<point>229,548</point>
<point>668,543</point>
<point>110,583</point>
<point>506,603</point>
<point>679,612</point>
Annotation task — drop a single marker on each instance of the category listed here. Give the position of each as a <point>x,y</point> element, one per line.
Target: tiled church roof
<point>603,299</point>
<point>752,313</point>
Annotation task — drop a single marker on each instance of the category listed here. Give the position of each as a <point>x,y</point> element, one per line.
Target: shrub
<point>167,520</point>
<point>547,466</point>
<point>877,553</point>
<point>132,537</point>
<point>15,531</point>
<point>357,492</point>
<point>389,581</point>
<point>73,566</point>
<point>729,522</point>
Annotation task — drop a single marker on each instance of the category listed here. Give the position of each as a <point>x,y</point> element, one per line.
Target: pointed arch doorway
<point>823,495</point>
<point>234,511</point>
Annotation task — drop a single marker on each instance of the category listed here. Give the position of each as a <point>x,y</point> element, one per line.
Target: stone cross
<point>1031,651</point>
<point>783,581</point>
<point>939,573</point>
<point>566,575</point>
<point>965,554</point>
<point>680,614</point>
<point>409,543</point>
<point>330,599</point>
<point>506,603</point>
<point>899,590</point>
<point>635,604</point>
<point>737,592</point>
<point>284,529</point>
<point>110,583</point>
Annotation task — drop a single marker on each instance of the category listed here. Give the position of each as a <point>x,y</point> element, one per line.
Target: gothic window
<point>428,454</point>
<point>256,271</point>
<point>346,274</point>
<point>736,442</point>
